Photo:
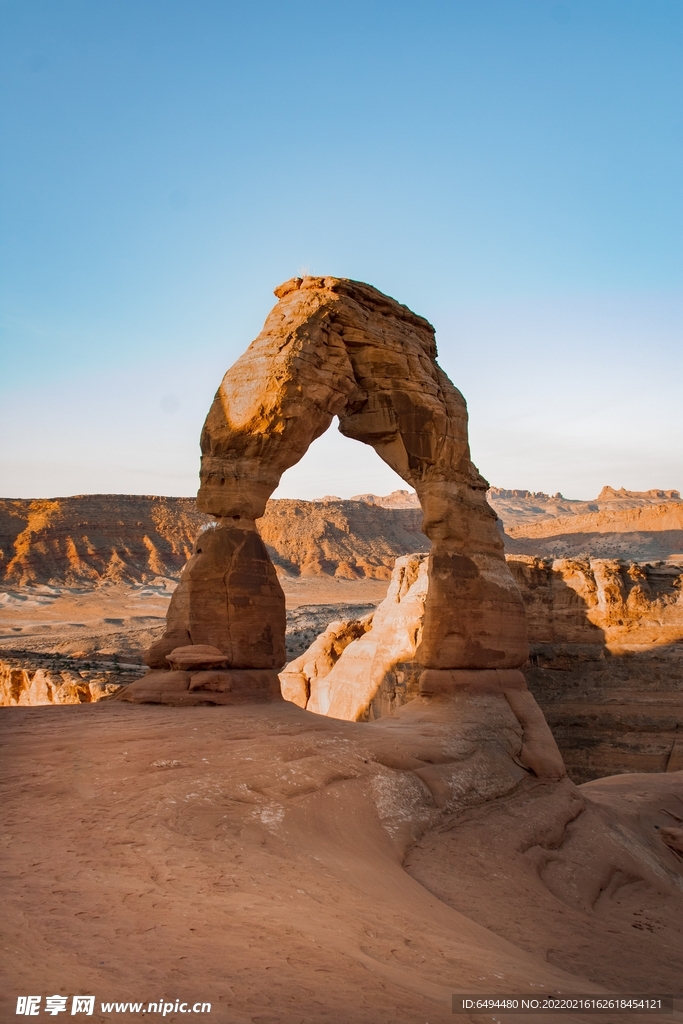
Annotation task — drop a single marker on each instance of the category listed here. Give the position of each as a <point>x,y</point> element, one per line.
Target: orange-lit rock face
<point>340,348</point>
<point>334,347</point>
<point>229,598</point>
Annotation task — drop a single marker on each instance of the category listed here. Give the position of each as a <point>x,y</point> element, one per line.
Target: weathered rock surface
<point>606,662</point>
<point>519,507</point>
<point>92,539</point>
<point>290,867</point>
<point>336,347</point>
<point>228,597</point>
<point>362,669</point>
<point>26,687</point>
<point>351,539</point>
<point>648,532</point>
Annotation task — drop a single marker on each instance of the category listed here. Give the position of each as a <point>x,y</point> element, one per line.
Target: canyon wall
<point>95,538</point>
<point>606,659</point>
<point>647,532</point>
<point>129,538</point>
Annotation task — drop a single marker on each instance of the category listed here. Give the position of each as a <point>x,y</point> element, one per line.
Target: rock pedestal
<point>334,347</point>
<point>225,628</point>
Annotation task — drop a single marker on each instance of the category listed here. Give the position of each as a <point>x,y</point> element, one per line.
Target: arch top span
<point>332,347</point>
<point>336,347</point>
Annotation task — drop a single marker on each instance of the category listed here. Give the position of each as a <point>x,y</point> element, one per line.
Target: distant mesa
<point>397,499</point>
<point>610,494</point>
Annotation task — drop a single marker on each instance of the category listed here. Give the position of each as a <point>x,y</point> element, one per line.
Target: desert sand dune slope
<point>293,869</point>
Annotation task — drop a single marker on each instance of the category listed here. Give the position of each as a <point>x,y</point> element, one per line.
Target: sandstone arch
<point>334,347</point>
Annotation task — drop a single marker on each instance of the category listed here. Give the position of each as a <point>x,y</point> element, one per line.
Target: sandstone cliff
<point>607,660</point>
<point>91,539</point>
<point>606,663</point>
<point>519,507</point>
<point>649,531</point>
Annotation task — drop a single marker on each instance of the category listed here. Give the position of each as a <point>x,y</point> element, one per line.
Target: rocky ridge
<point>606,661</point>
<point>87,540</point>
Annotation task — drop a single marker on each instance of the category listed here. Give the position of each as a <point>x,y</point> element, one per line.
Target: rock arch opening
<point>334,347</point>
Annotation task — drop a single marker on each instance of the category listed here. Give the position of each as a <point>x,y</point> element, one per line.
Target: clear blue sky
<point>510,169</point>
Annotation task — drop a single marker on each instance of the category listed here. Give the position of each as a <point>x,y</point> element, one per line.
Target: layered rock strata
<point>330,348</point>
<point>93,539</point>
<point>650,531</point>
<point>22,686</point>
<point>606,660</point>
<point>606,663</point>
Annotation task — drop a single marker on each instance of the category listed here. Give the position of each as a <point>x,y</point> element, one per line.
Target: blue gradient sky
<point>510,170</point>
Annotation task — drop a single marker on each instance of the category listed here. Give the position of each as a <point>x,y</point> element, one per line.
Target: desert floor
<point>121,620</point>
<point>293,869</point>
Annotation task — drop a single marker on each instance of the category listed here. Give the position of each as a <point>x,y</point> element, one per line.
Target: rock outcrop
<point>607,660</point>
<point>647,531</point>
<point>330,348</point>
<point>518,507</point>
<point>362,669</point>
<point>94,538</point>
<point>28,687</point>
<point>88,540</point>
<point>606,664</point>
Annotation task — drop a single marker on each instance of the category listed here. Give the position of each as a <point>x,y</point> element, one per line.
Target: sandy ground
<point>294,869</point>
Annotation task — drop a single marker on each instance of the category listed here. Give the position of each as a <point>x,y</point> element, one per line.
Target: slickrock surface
<point>294,869</point>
